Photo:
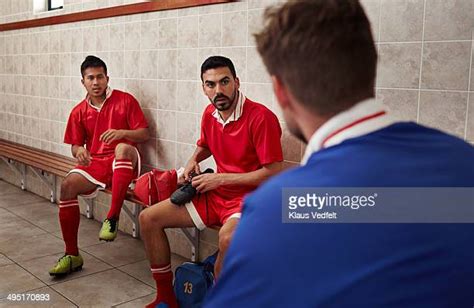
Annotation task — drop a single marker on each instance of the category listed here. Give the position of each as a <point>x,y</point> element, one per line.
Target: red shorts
<point>212,209</point>
<point>100,172</point>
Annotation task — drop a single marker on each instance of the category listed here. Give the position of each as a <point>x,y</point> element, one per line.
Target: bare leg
<point>153,222</point>
<point>75,184</point>
<point>225,236</point>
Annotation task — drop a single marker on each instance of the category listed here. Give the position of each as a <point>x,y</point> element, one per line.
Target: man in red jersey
<point>244,139</point>
<point>102,131</point>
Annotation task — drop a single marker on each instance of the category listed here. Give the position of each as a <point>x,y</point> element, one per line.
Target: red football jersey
<point>86,122</point>
<point>243,145</point>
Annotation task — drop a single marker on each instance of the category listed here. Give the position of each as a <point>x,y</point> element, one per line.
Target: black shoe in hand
<point>186,193</point>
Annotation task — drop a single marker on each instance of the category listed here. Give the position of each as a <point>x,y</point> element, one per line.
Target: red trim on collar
<point>366,118</point>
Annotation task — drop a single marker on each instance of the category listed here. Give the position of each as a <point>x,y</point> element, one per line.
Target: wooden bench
<point>42,163</point>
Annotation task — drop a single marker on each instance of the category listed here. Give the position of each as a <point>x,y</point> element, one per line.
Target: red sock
<point>164,286</point>
<point>69,218</point>
<point>123,175</point>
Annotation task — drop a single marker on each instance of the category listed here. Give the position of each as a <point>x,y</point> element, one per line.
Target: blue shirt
<point>272,264</point>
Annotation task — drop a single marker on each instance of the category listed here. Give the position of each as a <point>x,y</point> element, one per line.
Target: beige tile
<point>148,94</point>
<point>399,65</point>
<point>117,36</point>
<point>149,35</point>
<point>141,271</point>
<point>4,260</point>
<point>166,124</point>
<point>148,152</point>
<point>472,64</point>
<point>103,289</point>
<point>65,43</point>
<point>446,66</point>
<point>187,64</point>
<point>184,153</point>
<point>118,253</point>
<point>132,36</point>
<point>238,55</point>
<point>187,127</point>
<point>166,151</point>
<point>187,96</point>
<point>18,281</point>
<point>444,110</point>
<point>167,62</point>
<point>149,64</point>
<point>256,70</point>
<point>403,104</point>
<point>254,4</point>
<point>255,25</point>
<point>233,26</point>
<point>115,65</point>
<point>470,118</point>
<point>372,10</point>
<point>131,64</point>
<point>408,11</point>
<point>167,33</point>
<point>449,19</point>
<point>260,93</point>
<point>90,40</point>
<point>17,199</point>
<point>103,38</point>
<point>139,302</point>
<point>166,94</point>
<point>30,247</point>
<point>39,267</point>
<point>188,34</point>
<point>210,31</point>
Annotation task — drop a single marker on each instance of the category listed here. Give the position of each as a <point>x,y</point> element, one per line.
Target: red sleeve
<point>136,119</point>
<point>266,137</point>
<point>202,142</point>
<point>75,132</point>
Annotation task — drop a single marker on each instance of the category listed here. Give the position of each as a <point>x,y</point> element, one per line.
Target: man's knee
<point>148,221</point>
<point>224,240</point>
<point>68,187</point>
<point>124,150</point>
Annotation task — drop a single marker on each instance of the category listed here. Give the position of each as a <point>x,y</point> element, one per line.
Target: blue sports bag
<point>193,280</point>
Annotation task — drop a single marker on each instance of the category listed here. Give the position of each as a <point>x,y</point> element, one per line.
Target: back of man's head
<point>322,50</point>
<point>92,61</point>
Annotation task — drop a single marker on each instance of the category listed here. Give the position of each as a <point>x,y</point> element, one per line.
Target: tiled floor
<point>114,274</point>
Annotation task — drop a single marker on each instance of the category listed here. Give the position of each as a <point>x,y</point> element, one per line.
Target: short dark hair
<point>92,61</point>
<point>217,61</point>
<point>322,50</point>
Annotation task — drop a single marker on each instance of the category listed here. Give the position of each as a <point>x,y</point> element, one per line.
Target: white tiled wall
<point>425,48</point>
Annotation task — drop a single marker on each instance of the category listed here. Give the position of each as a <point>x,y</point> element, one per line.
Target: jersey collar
<point>363,118</point>
<point>108,93</point>
<point>235,115</point>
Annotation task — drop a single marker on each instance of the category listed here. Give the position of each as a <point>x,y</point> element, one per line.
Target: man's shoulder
<point>257,108</point>
<point>121,95</point>
<point>79,107</point>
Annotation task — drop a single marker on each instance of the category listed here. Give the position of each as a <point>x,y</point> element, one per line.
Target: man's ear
<point>82,81</point>
<point>237,83</point>
<point>281,93</point>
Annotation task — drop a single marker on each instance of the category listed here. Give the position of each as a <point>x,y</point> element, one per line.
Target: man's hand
<point>191,167</point>
<point>112,135</point>
<point>208,181</point>
<point>83,156</point>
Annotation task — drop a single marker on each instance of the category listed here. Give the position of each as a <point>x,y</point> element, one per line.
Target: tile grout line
<point>421,63</point>
<point>469,88</point>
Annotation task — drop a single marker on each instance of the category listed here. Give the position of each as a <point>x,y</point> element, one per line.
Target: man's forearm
<point>75,148</point>
<point>200,154</point>
<point>138,135</point>
<point>253,178</point>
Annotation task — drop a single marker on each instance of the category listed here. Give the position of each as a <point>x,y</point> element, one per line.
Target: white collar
<point>235,115</point>
<point>108,93</point>
<point>361,119</point>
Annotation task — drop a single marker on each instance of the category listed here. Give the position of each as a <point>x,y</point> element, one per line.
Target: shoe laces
<point>112,223</point>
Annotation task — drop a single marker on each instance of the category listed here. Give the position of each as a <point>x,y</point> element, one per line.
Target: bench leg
<point>51,183</point>
<point>20,171</point>
<point>134,216</point>
<point>89,208</point>
<point>193,238</point>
